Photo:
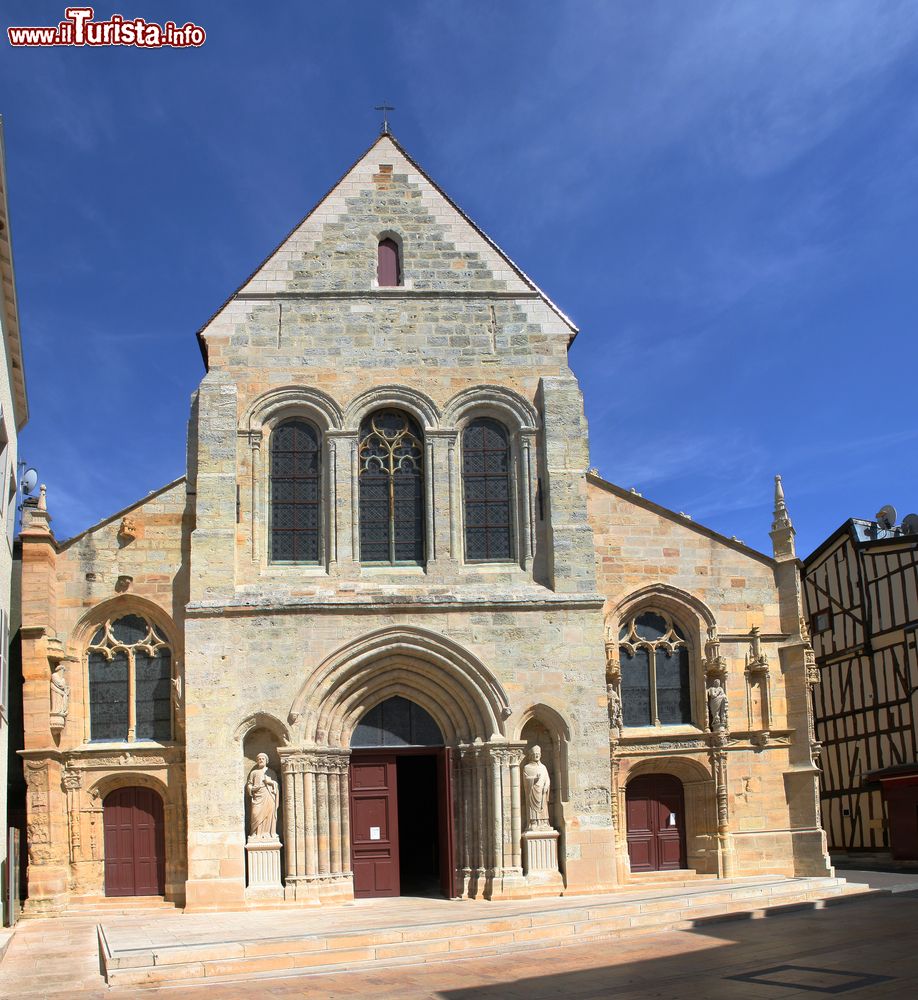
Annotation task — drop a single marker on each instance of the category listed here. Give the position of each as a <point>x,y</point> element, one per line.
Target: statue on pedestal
<point>261,789</point>
<point>537,782</point>
<point>717,707</point>
<point>60,692</point>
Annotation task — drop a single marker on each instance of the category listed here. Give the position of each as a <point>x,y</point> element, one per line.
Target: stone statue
<point>537,782</point>
<point>60,691</point>
<point>717,706</point>
<point>616,719</point>
<point>261,790</point>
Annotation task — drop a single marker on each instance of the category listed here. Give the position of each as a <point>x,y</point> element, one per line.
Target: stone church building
<point>389,571</point>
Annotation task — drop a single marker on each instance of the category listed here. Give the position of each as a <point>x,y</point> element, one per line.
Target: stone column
<point>343,498</point>
<point>516,755</point>
<point>318,824</point>
<point>444,505</point>
<point>455,501</point>
<point>527,480</point>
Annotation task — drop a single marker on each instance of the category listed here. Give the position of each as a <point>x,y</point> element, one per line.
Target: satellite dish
<point>29,481</point>
<point>910,524</point>
<point>886,517</point>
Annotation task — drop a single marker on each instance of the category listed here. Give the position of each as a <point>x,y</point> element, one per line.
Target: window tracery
<point>655,680</point>
<point>391,477</point>
<point>130,681</point>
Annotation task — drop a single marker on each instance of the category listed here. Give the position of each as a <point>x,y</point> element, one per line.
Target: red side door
<point>374,825</point>
<point>656,823</point>
<point>135,855</point>
<point>445,822</point>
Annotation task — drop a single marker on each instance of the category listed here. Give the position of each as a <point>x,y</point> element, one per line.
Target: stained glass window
<point>655,676</point>
<point>128,654</point>
<point>486,491</point>
<point>391,451</point>
<point>296,492</point>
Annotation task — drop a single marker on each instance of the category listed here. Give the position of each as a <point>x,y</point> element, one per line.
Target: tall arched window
<point>130,682</point>
<point>486,491</point>
<point>388,263</point>
<point>296,492</point>
<point>391,456</point>
<point>655,671</point>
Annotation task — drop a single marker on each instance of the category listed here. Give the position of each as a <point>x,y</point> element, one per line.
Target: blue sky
<point>724,197</point>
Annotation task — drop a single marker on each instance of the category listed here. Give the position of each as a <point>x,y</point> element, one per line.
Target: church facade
<point>388,635</point>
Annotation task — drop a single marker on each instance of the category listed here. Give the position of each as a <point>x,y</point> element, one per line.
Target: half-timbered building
<point>861,591</point>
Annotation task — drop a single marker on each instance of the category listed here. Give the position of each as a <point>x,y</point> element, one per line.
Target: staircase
<point>430,931</point>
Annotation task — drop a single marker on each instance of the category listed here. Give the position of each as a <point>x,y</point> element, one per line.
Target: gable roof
<point>639,501</point>
<point>388,138</point>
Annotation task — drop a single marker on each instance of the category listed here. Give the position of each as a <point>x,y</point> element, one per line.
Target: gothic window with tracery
<point>486,491</point>
<point>296,491</point>
<point>655,684</point>
<point>130,682</point>
<point>391,476</point>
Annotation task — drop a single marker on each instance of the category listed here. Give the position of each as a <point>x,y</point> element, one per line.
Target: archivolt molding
<point>292,400</point>
<point>467,702</point>
<point>491,400</point>
<point>118,607</point>
<point>687,769</point>
<point>550,717</point>
<point>402,397</point>
<point>108,783</point>
<point>684,607</point>
<point>262,720</point>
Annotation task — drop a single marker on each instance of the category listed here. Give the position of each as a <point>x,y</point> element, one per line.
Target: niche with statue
<point>263,807</point>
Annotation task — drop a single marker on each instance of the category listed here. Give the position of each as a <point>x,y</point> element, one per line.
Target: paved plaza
<point>859,947</point>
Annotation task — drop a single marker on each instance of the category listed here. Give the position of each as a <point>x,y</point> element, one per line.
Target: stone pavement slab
<point>868,938</point>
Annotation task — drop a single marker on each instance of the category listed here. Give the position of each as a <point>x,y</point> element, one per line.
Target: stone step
<point>541,927</point>
<point>676,878</point>
<point>107,906</point>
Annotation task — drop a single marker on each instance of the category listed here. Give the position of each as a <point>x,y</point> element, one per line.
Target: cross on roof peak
<point>385,109</point>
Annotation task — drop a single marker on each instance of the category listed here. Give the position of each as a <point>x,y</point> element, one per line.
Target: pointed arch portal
<point>400,777</point>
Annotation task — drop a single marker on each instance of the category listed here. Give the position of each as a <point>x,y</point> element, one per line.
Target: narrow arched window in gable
<point>296,492</point>
<point>656,683</point>
<point>130,682</point>
<point>391,456</point>
<point>486,491</point>
<point>388,263</point>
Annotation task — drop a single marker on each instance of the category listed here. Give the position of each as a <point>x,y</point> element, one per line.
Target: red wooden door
<point>374,825</point>
<point>135,852</point>
<point>445,821</point>
<point>656,823</point>
<point>902,806</point>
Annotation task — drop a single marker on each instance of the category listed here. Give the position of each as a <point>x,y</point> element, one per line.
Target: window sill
<point>382,569</point>
<point>506,566</point>
<point>286,568</point>
<point>663,732</point>
<point>109,745</point>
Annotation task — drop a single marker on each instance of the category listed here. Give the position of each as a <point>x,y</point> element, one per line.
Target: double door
<point>656,823</point>
<point>401,831</point>
<point>135,862</point>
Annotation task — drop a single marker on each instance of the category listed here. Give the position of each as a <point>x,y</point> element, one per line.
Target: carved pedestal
<point>540,850</point>
<point>264,868</point>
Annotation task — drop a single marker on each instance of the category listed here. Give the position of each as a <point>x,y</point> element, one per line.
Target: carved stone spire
<point>782,528</point>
